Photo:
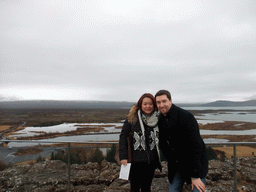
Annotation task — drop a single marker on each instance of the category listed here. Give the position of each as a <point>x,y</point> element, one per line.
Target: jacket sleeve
<point>123,145</point>
<point>196,146</point>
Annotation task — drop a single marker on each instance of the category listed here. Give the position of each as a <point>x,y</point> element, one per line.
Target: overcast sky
<point>116,50</point>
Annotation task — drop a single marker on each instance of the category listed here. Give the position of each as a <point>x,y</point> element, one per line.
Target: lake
<point>239,108</point>
<point>229,116</point>
<point>242,114</point>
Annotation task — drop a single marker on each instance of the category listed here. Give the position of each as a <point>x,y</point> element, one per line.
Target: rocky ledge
<point>53,176</point>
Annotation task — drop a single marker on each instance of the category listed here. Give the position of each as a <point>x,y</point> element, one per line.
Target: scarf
<point>150,121</point>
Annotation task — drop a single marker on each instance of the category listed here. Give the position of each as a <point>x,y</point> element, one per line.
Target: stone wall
<point>53,176</point>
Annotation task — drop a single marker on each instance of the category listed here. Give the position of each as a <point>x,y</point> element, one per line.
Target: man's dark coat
<point>182,145</point>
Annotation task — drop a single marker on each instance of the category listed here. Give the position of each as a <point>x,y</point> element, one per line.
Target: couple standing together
<point>157,124</point>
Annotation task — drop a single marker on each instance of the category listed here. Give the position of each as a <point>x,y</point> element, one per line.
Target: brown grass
<point>28,151</point>
<point>86,130</point>
<point>241,151</point>
<point>4,127</point>
<point>35,117</point>
<point>11,132</point>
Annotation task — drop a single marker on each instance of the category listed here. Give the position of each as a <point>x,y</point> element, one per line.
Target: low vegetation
<point>110,157</point>
<point>4,165</point>
<point>79,156</point>
<point>75,157</point>
<point>211,153</point>
<point>46,117</point>
<point>28,151</point>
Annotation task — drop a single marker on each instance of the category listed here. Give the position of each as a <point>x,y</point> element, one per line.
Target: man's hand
<point>198,184</point>
<point>124,161</point>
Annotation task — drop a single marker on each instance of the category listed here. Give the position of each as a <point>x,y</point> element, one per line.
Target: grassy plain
<point>40,117</point>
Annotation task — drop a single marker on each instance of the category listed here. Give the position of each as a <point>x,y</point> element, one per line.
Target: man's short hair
<point>164,92</point>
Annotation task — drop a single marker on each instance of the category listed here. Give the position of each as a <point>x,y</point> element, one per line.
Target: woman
<point>142,122</point>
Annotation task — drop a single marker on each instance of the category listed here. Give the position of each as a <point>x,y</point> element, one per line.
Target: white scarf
<point>151,122</point>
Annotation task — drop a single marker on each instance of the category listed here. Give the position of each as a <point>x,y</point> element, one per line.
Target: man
<point>181,144</point>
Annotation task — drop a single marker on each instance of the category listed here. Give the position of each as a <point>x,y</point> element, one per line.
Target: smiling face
<point>163,104</point>
<point>147,106</point>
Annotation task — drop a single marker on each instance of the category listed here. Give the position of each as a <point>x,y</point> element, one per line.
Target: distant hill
<point>60,104</point>
<point>43,104</point>
<point>222,103</point>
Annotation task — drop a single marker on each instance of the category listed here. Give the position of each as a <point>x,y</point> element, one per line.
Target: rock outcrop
<point>53,176</point>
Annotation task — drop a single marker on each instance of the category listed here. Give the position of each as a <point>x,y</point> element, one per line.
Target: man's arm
<point>196,145</point>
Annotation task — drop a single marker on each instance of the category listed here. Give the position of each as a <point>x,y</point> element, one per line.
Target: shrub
<point>75,158</point>
<point>40,159</point>
<point>211,153</point>
<point>4,165</point>
<point>111,154</point>
<point>222,156</point>
<point>95,155</point>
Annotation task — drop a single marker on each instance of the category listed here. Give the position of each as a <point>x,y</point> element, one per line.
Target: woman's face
<point>147,106</point>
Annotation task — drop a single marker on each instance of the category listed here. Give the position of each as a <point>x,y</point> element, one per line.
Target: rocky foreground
<point>52,176</point>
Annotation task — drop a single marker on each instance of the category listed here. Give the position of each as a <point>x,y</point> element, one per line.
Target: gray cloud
<point>108,50</point>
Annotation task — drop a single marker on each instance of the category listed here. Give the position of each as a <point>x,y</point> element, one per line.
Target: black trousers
<point>141,176</point>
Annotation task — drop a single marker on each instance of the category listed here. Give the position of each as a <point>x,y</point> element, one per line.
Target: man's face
<point>163,104</point>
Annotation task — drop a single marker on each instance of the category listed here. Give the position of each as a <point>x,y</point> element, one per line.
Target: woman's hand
<point>124,161</point>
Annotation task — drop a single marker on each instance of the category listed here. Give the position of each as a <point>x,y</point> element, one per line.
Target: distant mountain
<point>60,104</point>
<point>223,103</point>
